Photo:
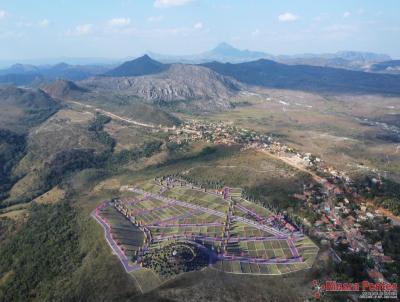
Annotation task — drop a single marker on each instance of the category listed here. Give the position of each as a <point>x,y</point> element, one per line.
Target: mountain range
<point>223,52</point>
<point>226,53</point>
<point>152,80</point>
<point>27,74</point>
<point>271,74</point>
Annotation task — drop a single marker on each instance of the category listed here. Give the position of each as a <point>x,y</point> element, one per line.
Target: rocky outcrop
<point>179,82</point>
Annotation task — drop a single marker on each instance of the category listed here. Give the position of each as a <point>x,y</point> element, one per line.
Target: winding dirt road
<point>112,115</point>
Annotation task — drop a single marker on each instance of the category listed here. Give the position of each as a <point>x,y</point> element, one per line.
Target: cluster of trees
<point>386,192</point>
<point>294,215</point>
<point>35,116</point>
<point>41,254</point>
<point>125,156</point>
<point>353,267</point>
<point>391,247</point>
<point>70,161</point>
<point>393,204</point>
<point>391,242</point>
<point>175,258</point>
<point>66,162</point>
<point>96,126</point>
<point>7,227</point>
<point>60,168</point>
<point>259,193</point>
<point>202,182</point>
<point>208,153</point>
<point>173,147</point>
<point>12,148</point>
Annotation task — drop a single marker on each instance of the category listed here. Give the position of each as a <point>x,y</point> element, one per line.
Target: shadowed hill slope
<point>63,88</point>
<point>22,109</point>
<point>271,74</point>
<point>138,67</point>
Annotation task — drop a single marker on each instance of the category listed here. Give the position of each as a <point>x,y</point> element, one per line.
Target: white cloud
<point>155,18</point>
<point>288,17</point>
<point>198,25</point>
<point>84,29</point>
<point>10,34</point>
<point>168,3</point>
<point>119,22</point>
<point>80,30</point>
<point>318,19</point>
<point>255,33</point>
<point>44,23</point>
<point>3,13</point>
<point>24,24</point>
<point>346,14</point>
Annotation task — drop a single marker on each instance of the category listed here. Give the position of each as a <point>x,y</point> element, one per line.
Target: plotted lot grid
<point>244,238</point>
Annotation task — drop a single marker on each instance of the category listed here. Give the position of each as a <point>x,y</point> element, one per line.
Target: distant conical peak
<point>145,58</point>
<point>224,46</point>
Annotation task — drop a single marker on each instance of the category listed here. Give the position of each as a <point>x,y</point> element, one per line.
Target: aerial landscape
<point>191,150</point>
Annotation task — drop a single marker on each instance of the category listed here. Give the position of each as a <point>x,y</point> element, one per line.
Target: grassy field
<point>15,212</point>
<point>146,280</point>
<point>54,195</point>
<point>127,136</point>
<point>198,198</point>
<point>243,230</point>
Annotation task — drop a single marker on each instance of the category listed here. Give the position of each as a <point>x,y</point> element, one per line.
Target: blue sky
<point>127,28</point>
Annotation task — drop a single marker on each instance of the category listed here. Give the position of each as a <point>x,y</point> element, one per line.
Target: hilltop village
<point>340,217</point>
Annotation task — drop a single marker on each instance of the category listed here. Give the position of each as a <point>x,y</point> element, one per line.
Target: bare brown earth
<point>295,165</point>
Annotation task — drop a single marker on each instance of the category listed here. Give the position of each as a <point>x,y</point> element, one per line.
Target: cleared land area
<point>248,240</point>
